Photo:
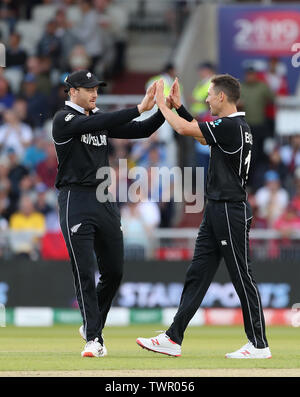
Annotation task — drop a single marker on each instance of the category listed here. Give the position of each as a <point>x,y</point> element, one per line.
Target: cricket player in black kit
<point>224,232</point>
<point>91,228</point>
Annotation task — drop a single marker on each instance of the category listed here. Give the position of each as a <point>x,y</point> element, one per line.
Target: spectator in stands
<point>61,22</point>
<point>155,155</point>
<point>165,134</point>
<point>20,107</point>
<point>57,97</point>
<point>50,45</point>
<point>6,97</point>
<point>27,185</point>
<point>3,227</point>
<point>14,134</point>
<point>136,232</point>
<point>148,153</point>
<point>114,20</point>
<point>275,163</point>
<point>177,15</point>
<point>64,34</point>
<point>255,96</point>
<point>88,32</point>
<point>271,199</point>
<point>47,169</point>
<point>199,108</point>
<point>149,210</point>
<point>5,184</point>
<point>296,193</point>
<point>40,68</point>
<point>5,187</point>
<point>44,82</point>
<point>200,111</point>
<point>33,65</point>
<point>41,203</point>
<point>79,59</point>
<point>37,109</point>
<point>52,222</point>
<point>290,153</point>
<point>258,222</point>
<point>8,13</point>
<point>35,153</point>
<point>287,225</point>
<point>288,222</point>
<point>26,227</point>
<point>15,55</point>
<point>163,195</point>
<point>17,172</point>
<point>275,78</point>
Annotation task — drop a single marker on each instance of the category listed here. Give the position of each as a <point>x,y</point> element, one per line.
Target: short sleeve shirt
<point>230,142</point>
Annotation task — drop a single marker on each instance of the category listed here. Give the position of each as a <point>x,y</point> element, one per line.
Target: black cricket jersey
<point>81,141</point>
<point>230,142</point>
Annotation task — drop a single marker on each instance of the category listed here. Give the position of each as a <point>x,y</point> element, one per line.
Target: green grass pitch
<point>58,348</point>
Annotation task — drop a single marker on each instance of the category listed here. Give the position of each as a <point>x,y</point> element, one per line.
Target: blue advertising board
<point>249,35</point>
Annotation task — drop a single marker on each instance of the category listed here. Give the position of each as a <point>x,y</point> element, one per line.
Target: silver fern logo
<point>74,229</point>
<point>69,116</point>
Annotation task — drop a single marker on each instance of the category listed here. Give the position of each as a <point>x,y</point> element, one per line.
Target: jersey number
<point>247,163</point>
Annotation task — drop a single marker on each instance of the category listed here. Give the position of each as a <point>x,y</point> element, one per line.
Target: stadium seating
<point>43,13</point>
<point>4,31</point>
<point>31,33</point>
<point>14,77</point>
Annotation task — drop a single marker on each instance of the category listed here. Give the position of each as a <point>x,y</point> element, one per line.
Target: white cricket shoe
<point>160,344</point>
<point>249,351</point>
<point>82,334</point>
<point>92,349</point>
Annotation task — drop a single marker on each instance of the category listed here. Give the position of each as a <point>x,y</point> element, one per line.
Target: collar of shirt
<point>236,114</point>
<point>78,108</point>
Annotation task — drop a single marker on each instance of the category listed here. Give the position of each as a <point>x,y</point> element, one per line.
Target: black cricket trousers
<point>93,235</point>
<point>224,233</point>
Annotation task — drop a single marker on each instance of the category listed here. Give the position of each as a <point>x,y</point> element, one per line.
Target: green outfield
<point>58,348</point>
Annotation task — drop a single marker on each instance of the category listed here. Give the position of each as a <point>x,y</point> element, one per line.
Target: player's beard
<point>89,106</point>
<point>92,105</point>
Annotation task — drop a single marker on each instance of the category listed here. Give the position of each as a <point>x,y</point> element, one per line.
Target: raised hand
<point>160,99</point>
<point>174,96</point>
<point>149,99</point>
<point>169,103</point>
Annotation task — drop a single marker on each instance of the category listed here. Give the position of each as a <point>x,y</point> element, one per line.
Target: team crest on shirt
<point>215,123</point>
<point>69,116</point>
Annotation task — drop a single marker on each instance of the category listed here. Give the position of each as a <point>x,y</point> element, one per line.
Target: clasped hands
<point>155,94</point>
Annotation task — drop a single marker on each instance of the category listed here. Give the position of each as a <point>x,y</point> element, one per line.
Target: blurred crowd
<point>93,35</point>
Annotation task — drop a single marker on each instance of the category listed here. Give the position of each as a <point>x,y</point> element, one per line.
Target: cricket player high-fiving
<point>92,228</point>
<point>224,232</point>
